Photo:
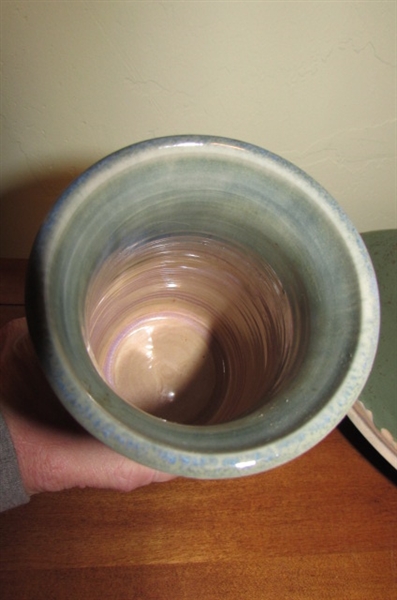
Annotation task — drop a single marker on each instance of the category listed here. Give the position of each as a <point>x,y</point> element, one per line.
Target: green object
<point>237,194</point>
<point>380,392</point>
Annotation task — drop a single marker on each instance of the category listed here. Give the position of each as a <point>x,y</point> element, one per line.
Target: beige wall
<point>312,81</point>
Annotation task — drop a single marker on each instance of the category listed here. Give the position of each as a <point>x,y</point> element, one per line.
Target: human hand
<point>54,452</point>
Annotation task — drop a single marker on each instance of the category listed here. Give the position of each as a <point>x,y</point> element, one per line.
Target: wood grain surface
<point>321,527</point>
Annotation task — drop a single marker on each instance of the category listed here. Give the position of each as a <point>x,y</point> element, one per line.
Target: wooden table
<point>321,527</point>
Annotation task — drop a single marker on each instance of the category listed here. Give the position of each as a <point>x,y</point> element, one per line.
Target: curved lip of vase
<point>172,453</point>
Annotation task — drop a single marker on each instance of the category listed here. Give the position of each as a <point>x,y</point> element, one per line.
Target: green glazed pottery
<point>375,413</point>
<point>202,306</point>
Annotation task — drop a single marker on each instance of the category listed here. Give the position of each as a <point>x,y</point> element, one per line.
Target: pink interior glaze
<point>190,329</point>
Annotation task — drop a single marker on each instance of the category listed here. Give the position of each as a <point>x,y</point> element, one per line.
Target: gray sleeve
<point>12,492</point>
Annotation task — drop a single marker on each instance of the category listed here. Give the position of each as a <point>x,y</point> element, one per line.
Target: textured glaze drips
<point>190,329</point>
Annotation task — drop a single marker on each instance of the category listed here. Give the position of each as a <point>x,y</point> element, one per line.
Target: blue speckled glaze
<point>236,192</point>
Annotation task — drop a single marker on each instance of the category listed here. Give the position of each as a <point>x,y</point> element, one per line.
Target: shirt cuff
<point>12,491</point>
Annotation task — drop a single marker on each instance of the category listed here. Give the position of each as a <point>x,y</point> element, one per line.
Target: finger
<point>86,462</point>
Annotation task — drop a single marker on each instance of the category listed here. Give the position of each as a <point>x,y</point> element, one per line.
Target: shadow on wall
<point>23,208</point>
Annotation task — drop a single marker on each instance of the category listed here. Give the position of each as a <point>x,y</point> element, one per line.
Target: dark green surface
<point>380,392</point>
